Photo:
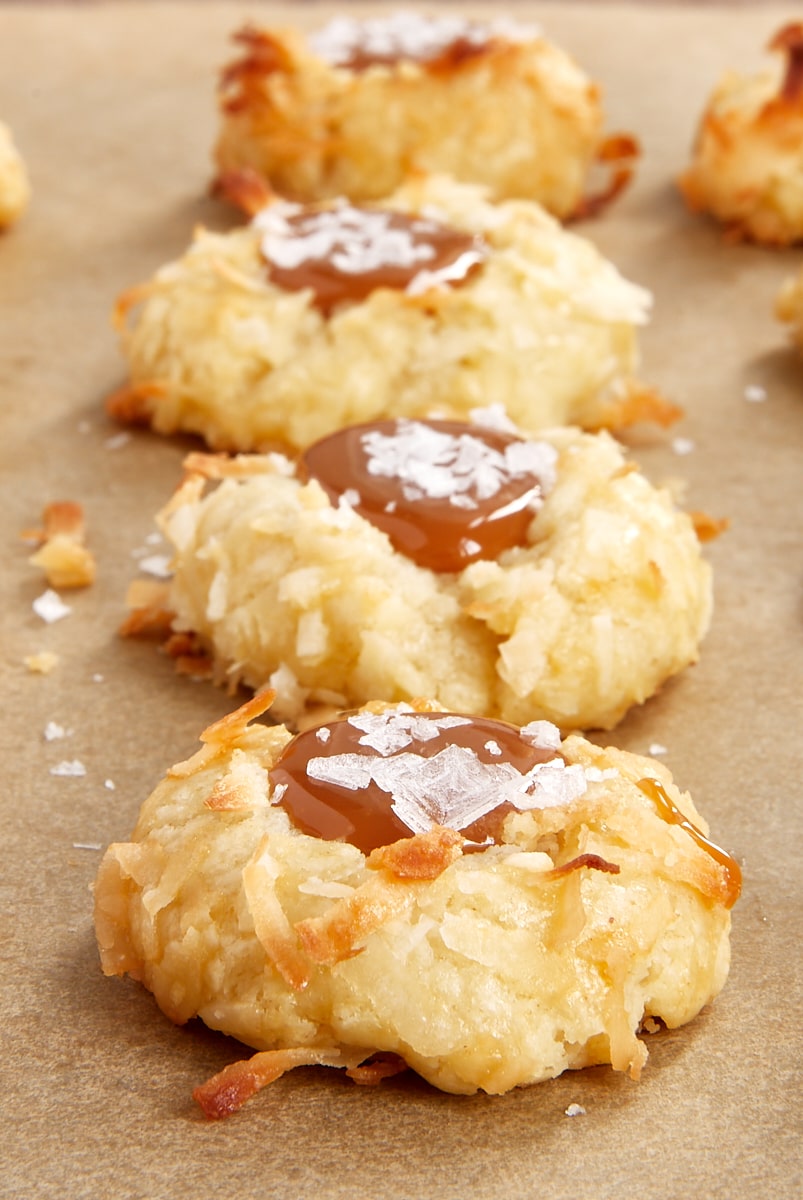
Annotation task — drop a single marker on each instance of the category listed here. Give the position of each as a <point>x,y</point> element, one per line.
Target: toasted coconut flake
<point>707,527</point>
<point>635,402</point>
<point>380,1067</point>
<point>245,188</point>
<point>227,1091</point>
<point>619,152</point>
<point>270,922</point>
<point>340,933</point>
<point>425,856</point>
<point>149,615</point>
<point>132,404</point>
<point>63,556</point>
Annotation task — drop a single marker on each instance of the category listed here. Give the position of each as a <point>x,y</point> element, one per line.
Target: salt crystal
<point>323,734</point>
<point>109,785</point>
<point>277,793</point>
<point>54,731</point>
<point>656,748</point>
<point>754,393</point>
<point>351,496</point>
<point>682,445</point>
<point>50,607</point>
<point>494,416</point>
<point>69,768</point>
<point>493,747</point>
<point>153,538</point>
<point>97,677</point>
<point>575,1110</point>
<point>391,731</point>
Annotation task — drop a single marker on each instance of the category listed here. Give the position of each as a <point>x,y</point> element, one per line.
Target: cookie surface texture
<point>357,107</point>
<point>589,913</point>
<point>606,597</point>
<point>542,324</point>
<point>747,168</point>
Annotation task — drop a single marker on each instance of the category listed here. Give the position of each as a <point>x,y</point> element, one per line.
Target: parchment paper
<point>113,107</point>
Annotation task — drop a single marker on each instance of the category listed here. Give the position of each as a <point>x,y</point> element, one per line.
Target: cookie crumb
<point>42,663</point>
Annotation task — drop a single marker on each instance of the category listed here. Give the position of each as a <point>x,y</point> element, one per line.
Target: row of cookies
<point>411,511</point>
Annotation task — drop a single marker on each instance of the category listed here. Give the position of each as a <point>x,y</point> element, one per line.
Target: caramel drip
<point>672,814</point>
<point>343,254</point>
<point>444,532</point>
<point>363,816</point>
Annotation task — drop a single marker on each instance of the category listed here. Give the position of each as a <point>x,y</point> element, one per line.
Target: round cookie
<point>747,169</point>
<point>14,186</point>
<point>360,104</point>
<point>234,343</point>
<point>585,902</point>
<point>602,595</point>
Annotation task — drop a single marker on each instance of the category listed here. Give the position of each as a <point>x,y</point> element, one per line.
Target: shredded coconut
<point>72,767</point>
<point>87,846</point>
<point>50,607</point>
<point>329,888</point>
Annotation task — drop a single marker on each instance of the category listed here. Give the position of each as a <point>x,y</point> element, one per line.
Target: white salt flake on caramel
<point>50,607</point>
<point>453,788</point>
<point>389,732</point>
<point>435,465</point>
<point>409,35</point>
<point>493,747</point>
<point>323,734</point>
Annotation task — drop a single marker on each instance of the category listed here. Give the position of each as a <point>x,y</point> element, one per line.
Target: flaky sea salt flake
<point>754,393</point>
<point>50,607</point>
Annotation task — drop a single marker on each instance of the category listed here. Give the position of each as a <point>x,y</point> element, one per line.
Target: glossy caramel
<point>354,251</point>
<point>434,531</point>
<point>364,817</point>
<point>672,814</point>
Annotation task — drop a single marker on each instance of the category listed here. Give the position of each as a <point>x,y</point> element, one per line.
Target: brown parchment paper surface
<point>112,106</point>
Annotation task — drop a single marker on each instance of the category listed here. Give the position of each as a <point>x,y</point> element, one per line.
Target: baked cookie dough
<point>360,104</point>
<point>747,169</point>
<point>540,901</point>
<point>14,186</point>
<point>309,320</point>
<point>600,597</point>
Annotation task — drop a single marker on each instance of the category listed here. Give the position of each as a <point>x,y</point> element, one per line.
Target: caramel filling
<point>445,492</point>
<point>372,779</point>
<point>343,254</point>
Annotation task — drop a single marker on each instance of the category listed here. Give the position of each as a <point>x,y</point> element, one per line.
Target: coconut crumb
<point>62,554</point>
<point>42,663</point>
